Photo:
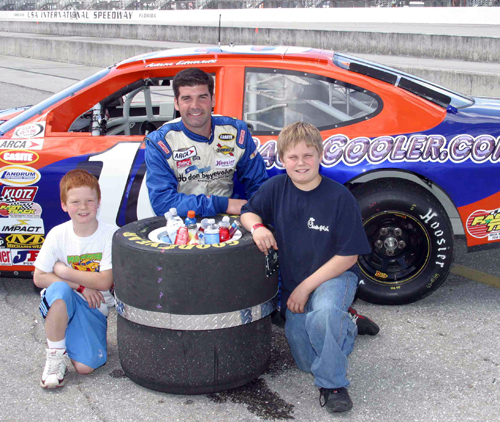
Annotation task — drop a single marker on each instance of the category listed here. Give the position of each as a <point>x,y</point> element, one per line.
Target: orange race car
<point>418,157</point>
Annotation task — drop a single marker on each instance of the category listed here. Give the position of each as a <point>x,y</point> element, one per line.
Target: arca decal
<point>21,144</point>
<point>19,175</point>
<point>19,157</point>
<point>483,223</point>
<point>339,148</point>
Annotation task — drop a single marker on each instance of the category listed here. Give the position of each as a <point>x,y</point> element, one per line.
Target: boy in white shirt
<point>74,268</point>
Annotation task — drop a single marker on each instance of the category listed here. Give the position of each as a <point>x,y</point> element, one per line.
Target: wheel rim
<point>401,248</point>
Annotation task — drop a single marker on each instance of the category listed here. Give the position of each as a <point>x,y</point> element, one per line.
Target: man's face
<point>302,166</point>
<point>194,103</point>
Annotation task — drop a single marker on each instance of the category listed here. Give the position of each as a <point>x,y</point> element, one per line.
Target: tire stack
<point>192,319</point>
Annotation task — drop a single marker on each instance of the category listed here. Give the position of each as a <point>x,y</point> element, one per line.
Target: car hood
<point>9,113</point>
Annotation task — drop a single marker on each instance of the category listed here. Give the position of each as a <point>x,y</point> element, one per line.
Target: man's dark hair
<point>193,77</point>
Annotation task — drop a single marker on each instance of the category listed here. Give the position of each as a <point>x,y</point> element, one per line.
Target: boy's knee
<point>59,290</point>
<point>82,369</point>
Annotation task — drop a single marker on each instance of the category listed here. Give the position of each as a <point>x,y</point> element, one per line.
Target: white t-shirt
<point>92,253</point>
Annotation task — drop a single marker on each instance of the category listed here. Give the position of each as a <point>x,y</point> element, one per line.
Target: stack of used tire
<point>193,319</point>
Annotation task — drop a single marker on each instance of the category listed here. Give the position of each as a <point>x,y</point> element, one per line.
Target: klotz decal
<point>19,157</point>
<point>26,194</point>
<point>32,130</point>
<point>484,223</point>
<point>182,154</point>
<point>19,176</point>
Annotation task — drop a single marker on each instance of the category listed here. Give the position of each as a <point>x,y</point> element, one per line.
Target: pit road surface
<point>434,360</point>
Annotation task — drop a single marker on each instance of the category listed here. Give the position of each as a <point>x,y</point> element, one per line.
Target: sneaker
<point>365,325</point>
<point>335,399</point>
<point>56,367</point>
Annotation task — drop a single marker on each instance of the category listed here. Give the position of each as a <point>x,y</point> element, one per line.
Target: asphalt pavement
<point>434,360</point>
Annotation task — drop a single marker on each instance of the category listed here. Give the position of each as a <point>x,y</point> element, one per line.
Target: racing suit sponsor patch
<point>224,149</point>
<point>164,147</point>
<point>241,139</point>
<point>183,153</point>
<point>225,163</point>
<point>227,137</point>
<point>184,163</point>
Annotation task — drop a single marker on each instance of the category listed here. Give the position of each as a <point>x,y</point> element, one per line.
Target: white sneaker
<point>56,367</point>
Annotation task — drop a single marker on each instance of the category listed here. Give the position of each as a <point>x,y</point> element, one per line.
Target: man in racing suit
<point>191,161</point>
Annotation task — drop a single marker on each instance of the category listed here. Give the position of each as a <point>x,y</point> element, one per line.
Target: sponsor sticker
<point>32,130</point>
<point>484,223</point>
<point>20,209</point>
<point>5,257</point>
<point>2,242</point>
<point>25,241</point>
<point>225,163</point>
<point>164,147</point>
<point>19,157</point>
<point>22,225</point>
<point>22,144</point>
<point>241,140</point>
<point>19,175</point>
<point>26,194</point>
<point>227,137</point>
<point>182,154</point>
<point>224,149</point>
<point>24,256</point>
<point>190,169</point>
<point>184,163</point>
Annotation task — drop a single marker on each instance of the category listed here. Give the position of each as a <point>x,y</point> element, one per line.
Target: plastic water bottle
<point>163,236</point>
<point>224,229</point>
<point>173,224</point>
<point>192,227</point>
<point>212,233</point>
<point>203,224</point>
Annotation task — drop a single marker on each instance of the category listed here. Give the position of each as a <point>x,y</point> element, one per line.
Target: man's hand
<point>234,206</point>
<point>60,270</point>
<point>298,299</point>
<point>264,239</point>
<point>94,297</point>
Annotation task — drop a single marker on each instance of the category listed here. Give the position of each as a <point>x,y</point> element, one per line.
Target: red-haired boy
<point>74,270</point>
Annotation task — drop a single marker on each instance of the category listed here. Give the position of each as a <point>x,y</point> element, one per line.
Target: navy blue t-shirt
<point>311,226</point>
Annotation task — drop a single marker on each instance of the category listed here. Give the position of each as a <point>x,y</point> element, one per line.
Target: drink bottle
<point>182,237</point>
<point>224,229</point>
<point>233,228</point>
<point>163,236</point>
<point>173,224</point>
<point>192,226</point>
<point>211,233</point>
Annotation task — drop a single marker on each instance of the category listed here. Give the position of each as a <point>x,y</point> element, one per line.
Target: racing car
<point>421,160</point>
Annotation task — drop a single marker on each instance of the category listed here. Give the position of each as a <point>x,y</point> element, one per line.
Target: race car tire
<point>411,239</point>
<point>177,305</point>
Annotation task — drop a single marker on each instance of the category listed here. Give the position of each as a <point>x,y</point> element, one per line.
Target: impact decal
<point>26,194</point>
<point>19,157</point>
<point>483,223</point>
<point>227,163</point>
<point>22,144</point>
<point>182,154</point>
<point>22,225</point>
<point>25,241</point>
<point>32,130</point>
<point>19,176</point>
<point>24,256</point>
<point>398,149</point>
<point>182,62</point>
<point>133,237</point>
<point>224,149</point>
<point>227,137</point>
<point>5,257</point>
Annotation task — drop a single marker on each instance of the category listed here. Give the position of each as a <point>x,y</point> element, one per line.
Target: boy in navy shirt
<point>320,235</point>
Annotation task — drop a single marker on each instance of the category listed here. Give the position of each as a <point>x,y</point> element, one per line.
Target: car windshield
<point>425,89</point>
<point>41,107</point>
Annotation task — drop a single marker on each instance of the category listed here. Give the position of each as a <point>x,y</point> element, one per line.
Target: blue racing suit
<point>190,172</point>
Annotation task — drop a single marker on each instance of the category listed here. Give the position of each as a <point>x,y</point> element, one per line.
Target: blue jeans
<point>323,336</point>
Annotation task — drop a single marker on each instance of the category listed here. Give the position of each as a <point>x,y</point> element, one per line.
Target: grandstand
<point>227,4</point>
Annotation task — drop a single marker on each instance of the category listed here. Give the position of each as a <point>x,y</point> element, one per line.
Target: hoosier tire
<point>190,284</point>
<point>411,239</point>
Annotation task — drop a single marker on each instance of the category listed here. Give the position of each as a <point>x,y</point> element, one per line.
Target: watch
<point>256,226</point>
